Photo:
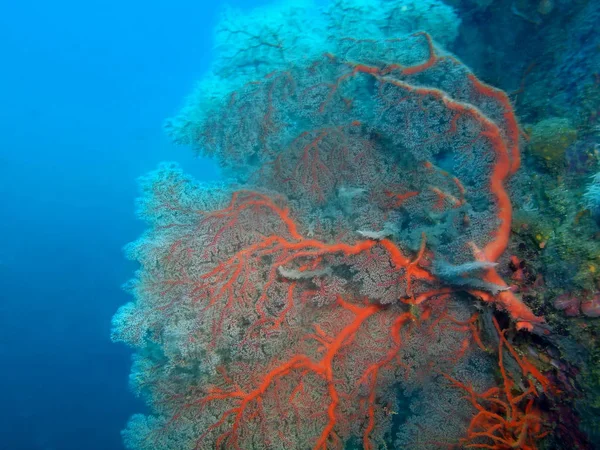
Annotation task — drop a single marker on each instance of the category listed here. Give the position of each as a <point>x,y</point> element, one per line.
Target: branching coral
<point>505,420</point>
<point>284,311</point>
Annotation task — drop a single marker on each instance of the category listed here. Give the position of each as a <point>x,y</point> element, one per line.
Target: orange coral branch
<point>502,418</point>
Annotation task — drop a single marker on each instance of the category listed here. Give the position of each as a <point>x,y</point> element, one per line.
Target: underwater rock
<point>568,303</point>
<point>591,307</point>
<point>550,139</point>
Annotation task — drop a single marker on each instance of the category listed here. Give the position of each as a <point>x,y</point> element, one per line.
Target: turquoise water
<point>357,224</point>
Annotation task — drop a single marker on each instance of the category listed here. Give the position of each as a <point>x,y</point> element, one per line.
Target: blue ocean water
<point>85,87</point>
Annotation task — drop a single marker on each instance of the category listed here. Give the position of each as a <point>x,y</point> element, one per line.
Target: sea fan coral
<point>286,309</point>
<point>591,197</point>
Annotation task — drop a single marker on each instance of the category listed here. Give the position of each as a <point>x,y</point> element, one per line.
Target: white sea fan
<point>591,197</point>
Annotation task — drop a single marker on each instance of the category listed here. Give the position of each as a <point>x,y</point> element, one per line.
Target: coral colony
<point>342,288</point>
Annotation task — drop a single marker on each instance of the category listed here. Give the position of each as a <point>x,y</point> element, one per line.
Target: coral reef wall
<point>545,54</point>
<point>354,282</point>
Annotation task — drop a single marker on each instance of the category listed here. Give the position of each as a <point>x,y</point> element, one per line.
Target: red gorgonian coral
<point>368,216</point>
